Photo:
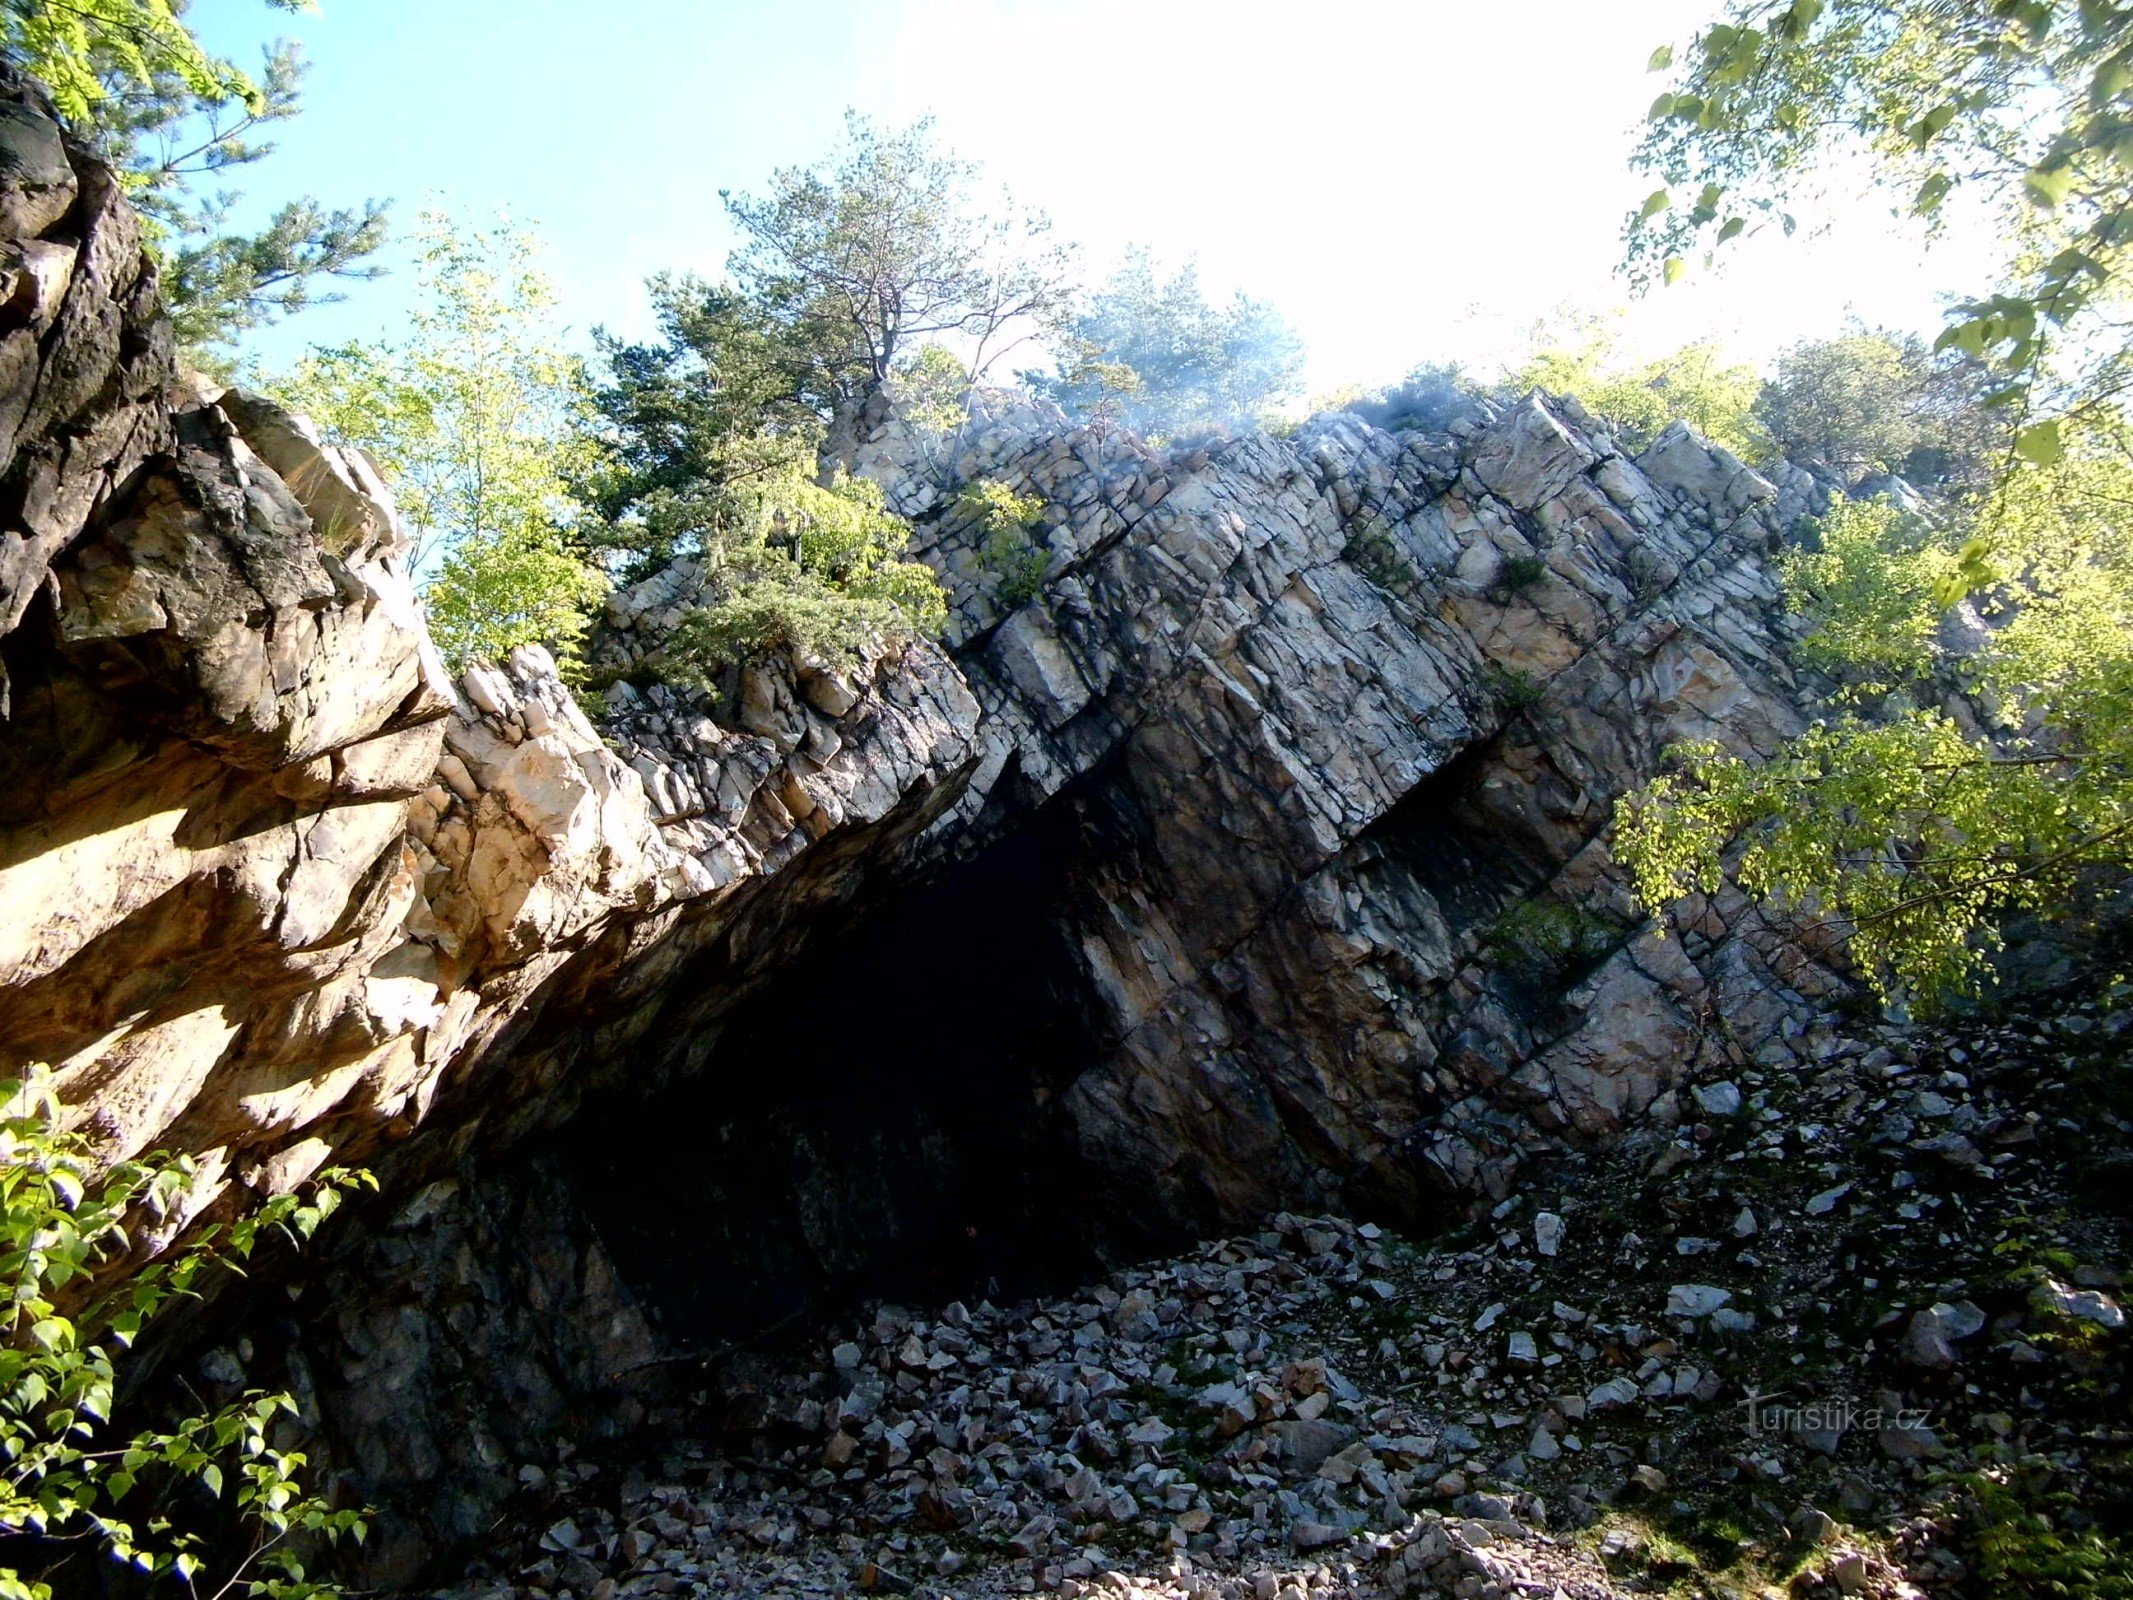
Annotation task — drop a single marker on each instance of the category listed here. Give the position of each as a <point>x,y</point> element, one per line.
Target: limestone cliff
<point>1295,725</point>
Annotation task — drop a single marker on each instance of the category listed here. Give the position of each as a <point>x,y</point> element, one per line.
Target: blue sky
<point>1406,180</point>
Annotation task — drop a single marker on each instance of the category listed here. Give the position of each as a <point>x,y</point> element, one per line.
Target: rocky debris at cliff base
<point>1322,1408</point>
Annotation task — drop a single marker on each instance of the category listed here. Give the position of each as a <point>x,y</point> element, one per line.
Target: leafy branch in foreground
<point>2024,105</point>
<point>80,47</point>
<point>74,1304</point>
<point>1905,836</point>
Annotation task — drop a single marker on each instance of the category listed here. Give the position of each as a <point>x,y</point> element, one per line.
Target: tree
<point>1579,353</point>
<point>73,1308</point>
<point>1188,361</point>
<point>723,399</point>
<point>171,117</point>
<point>1905,828</point>
<point>709,448</point>
<point>850,264</point>
<point>1873,401</point>
<point>479,418</point>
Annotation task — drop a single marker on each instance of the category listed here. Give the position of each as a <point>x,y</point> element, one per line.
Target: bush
<point>818,571</point>
<point>1580,355</point>
<point>1546,945</point>
<point>66,1233</point>
<point>2023,1542</point>
<point>1008,548</point>
<point>1428,400</point>
<point>1512,687</point>
<point>1519,573</point>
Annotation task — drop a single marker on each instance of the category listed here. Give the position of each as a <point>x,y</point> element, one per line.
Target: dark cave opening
<point>880,1121</point>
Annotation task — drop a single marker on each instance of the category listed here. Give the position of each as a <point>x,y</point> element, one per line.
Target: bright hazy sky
<point>1406,180</point>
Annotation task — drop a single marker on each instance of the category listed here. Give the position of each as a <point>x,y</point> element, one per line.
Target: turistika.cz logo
<point>1770,1413</point>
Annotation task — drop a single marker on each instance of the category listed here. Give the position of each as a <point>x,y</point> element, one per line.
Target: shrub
<point>1372,550</point>
<point>66,1233</point>
<point>1511,687</point>
<point>1519,573</point>
<point>1547,945</point>
<point>1008,547</point>
<point>818,571</point>
<point>1428,400</point>
<point>2024,1544</point>
<point>1581,355</point>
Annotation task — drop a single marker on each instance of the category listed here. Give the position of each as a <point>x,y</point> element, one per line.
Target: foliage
<point>2021,105</point>
<point>67,1237</point>
<point>170,116</point>
<point>520,585</point>
<point>932,389</point>
<point>2022,1547</point>
<point>1519,573</point>
<point>1154,353</point>
<point>818,571</point>
<point>1513,688</point>
<point>844,266</point>
<point>478,418</point>
<point>1871,401</point>
<point>1915,833</point>
<point>1547,945</point>
<point>1575,353</point>
<point>79,48</point>
<point>1007,546</point>
<point>1428,400</point>
<point>1871,581</point>
<point>1374,552</point>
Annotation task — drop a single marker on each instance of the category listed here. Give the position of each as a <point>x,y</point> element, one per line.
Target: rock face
<point>1319,736</point>
<point>1362,704</point>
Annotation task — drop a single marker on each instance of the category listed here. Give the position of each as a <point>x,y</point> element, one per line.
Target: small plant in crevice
<point>1372,551</point>
<point>1520,573</point>
<point>1512,688</point>
<point>1546,946</point>
<point>1008,546</point>
<point>168,1502</point>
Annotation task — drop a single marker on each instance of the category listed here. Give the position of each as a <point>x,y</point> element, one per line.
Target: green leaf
<point>1732,228</point>
<point>1661,59</point>
<point>1673,269</point>
<point>2048,187</point>
<point>1654,203</point>
<point>2040,443</point>
<point>1801,17</point>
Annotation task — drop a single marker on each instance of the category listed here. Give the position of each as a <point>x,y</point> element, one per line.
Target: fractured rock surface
<point>1323,734</point>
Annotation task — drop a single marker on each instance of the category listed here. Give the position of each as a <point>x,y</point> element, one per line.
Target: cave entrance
<point>882,1120</point>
